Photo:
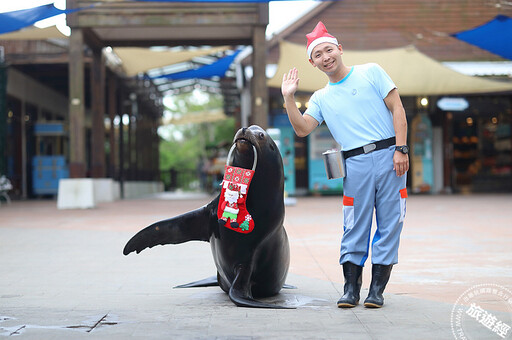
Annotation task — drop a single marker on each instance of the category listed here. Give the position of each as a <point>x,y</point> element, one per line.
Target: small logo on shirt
<point>354,92</point>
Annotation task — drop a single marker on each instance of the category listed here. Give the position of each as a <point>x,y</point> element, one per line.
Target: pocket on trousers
<point>348,212</point>
<point>403,208</point>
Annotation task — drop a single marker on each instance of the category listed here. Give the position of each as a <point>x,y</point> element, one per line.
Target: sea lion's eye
<point>261,135</point>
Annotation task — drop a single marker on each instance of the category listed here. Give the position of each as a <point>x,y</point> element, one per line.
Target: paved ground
<point>63,275</point>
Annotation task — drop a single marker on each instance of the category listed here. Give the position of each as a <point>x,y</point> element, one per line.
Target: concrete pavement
<point>63,275</point>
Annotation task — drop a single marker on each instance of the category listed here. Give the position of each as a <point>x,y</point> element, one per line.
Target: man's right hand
<point>290,83</point>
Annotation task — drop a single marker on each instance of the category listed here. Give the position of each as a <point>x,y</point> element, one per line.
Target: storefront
<point>462,147</point>
<point>454,148</point>
<point>481,141</point>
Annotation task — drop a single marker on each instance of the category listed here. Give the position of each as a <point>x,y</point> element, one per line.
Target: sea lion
<point>249,265</point>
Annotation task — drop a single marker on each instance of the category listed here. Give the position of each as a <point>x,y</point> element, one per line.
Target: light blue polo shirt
<point>354,108</point>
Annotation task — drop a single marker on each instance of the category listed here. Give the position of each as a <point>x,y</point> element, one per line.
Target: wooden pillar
<point>98,114</point>
<point>155,150</point>
<point>132,136</point>
<point>121,145</point>
<point>77,165</point>
<point>129,142</point>
<point>259,95</point>
<point>144,149</point>
<point>112,112</point>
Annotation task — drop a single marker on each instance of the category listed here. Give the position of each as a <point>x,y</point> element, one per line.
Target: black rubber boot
<point>353,280</point>
<point>380,277</point>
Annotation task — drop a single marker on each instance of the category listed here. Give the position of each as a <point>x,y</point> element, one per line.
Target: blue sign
<point>452,104</point>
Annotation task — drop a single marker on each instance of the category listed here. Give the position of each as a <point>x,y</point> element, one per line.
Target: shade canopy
<point>494,36</point>
<point>414,73</point>
<point>15,20</point>
<point>34,33</point>
<point>136,60</point>
<point>216,69</point>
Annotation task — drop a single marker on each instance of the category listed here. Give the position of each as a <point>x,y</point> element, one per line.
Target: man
<point>365,115</point>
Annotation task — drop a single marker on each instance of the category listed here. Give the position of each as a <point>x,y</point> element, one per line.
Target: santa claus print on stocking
<point>232,211</point>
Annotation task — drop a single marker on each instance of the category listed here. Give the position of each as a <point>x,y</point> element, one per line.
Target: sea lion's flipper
<point>286,286</point>
<point>240,291</point>
<point>208,282</point>
<point>195,225</point>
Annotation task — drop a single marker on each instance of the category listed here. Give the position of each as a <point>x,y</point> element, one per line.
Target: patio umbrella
<point>494,36</point>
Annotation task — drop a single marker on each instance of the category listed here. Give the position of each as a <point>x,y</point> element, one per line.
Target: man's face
<point>327,57</point>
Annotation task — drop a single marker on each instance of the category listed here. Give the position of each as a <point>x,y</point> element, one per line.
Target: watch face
<point>403,149</point>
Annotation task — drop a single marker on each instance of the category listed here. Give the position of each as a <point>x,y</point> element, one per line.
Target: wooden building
<point>88,91</point>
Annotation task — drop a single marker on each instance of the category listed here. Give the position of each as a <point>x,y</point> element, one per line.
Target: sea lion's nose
<point>243,130</point>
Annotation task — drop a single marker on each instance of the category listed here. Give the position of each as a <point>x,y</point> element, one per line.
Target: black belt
<point>381,144</point>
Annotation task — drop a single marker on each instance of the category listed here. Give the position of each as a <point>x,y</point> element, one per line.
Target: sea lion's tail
<point>192,226</point>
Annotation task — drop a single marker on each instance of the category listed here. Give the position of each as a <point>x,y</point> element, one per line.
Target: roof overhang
<point>142,24</point>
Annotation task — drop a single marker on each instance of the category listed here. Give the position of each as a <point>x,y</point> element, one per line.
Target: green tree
<point>184,146</point>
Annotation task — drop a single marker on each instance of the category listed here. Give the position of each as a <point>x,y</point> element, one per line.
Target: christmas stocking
<point>232,211</point>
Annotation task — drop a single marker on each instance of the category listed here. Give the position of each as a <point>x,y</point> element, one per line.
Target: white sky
<point>281,13</point>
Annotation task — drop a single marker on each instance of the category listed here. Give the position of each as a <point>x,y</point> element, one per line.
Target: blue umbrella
<point>494,36</point>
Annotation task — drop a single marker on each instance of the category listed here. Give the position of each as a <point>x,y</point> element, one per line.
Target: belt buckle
<point>369,147</point>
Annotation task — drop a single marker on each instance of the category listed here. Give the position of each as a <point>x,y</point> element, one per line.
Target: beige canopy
<point>196,117</point>
<point>34,33</point>
<point>136,59</point>
<point>414,73</point>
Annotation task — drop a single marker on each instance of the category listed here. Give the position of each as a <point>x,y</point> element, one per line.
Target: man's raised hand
<point>290,83</point>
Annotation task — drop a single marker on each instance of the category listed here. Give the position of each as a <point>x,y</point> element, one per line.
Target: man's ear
<point>312,63</point>
<point>340,48</point>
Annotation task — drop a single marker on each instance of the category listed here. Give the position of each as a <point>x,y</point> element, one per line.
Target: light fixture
<point>126,119</point>
<point>424,101</point>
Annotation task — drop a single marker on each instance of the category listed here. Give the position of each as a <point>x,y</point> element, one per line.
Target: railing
<point>190,180</point>
<point>184,179</point>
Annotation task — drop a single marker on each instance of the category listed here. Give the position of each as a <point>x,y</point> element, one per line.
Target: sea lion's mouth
<point>245,146</point>
<point>246,149</point>
<point>243,141</point>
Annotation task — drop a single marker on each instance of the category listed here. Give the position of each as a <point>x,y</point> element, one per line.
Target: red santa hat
<point>318,36</point>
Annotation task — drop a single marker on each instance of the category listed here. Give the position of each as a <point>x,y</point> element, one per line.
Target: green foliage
<point>180,154</point>
<point>182,147</point>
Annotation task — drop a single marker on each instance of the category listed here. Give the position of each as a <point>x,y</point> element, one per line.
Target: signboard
<point>452,104</point>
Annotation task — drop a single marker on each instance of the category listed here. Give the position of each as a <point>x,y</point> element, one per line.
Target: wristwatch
<point>403,149</point>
